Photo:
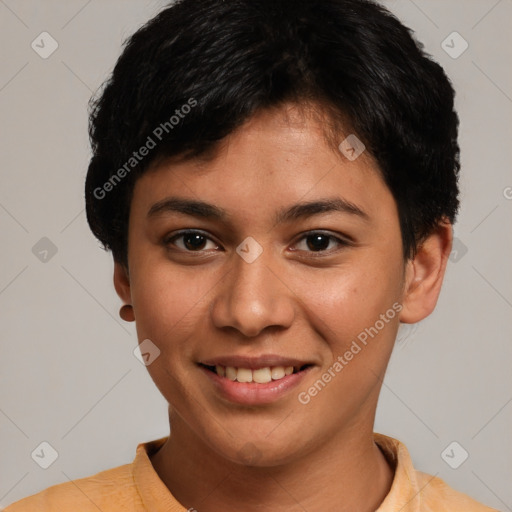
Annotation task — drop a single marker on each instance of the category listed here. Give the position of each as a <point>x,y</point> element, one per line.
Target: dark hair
<point>201,68</point>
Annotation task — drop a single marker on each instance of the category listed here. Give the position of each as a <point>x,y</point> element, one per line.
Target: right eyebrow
<point>187,207</point>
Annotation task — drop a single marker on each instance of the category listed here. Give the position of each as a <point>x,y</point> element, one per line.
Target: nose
<point>253,297</point>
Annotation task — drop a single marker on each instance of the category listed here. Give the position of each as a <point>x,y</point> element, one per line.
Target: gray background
<point>68,374</point>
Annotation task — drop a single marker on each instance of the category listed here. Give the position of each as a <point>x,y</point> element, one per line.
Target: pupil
<point>317,242</point>
<point>193,241</point>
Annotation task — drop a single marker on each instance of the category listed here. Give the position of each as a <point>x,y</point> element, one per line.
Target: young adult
<point>277,182</point>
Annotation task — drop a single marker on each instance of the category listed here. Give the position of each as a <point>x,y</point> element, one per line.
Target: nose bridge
<point>252,297</point>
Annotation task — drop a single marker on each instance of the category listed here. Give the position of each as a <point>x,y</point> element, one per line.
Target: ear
<point>122,284</point>
<point>424,274</point>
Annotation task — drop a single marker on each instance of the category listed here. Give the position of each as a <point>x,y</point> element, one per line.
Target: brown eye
<point>320,242</point>
<point>190,241</point>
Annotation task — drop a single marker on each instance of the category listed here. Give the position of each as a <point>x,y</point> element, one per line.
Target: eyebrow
<point>298,211</point>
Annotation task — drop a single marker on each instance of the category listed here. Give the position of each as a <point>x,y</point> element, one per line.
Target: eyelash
<point>169,240</point>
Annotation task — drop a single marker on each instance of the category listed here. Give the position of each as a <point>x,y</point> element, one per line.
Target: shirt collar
<point>404,495</point>
<point>153,492</point>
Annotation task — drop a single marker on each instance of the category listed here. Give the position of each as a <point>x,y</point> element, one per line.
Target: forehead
<point>279,157</point>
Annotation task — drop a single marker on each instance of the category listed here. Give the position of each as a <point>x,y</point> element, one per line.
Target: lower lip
<point>252,393</point>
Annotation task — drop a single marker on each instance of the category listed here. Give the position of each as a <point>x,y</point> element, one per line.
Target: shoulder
<point>438,496</point>
<point>110,490</point>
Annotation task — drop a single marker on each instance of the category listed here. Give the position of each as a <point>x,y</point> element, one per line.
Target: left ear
<point>123,289</point>
<point>424,274</point>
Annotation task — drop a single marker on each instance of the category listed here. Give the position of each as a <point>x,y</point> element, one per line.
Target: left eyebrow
<point>295,212</point>
<point>311,208</point>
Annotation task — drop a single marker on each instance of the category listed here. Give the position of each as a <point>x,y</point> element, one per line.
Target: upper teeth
<point>260,375</point>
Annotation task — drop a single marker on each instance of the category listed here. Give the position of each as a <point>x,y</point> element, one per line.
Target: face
<point>233,276</point>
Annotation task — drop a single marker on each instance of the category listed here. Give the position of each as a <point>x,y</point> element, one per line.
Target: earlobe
<point>122,286</point>
<point>424,274</point>
<point>126,313</point>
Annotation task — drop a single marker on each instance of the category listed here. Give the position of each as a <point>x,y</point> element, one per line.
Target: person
<point>277,182</point>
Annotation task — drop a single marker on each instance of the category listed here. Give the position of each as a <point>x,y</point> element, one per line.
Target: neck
<point>349,472</point>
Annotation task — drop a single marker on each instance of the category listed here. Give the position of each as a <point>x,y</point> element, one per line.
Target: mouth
<point>261,375</point>
<point>254,381</point>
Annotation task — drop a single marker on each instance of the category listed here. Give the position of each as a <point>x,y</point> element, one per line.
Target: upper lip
<point>254,362</point>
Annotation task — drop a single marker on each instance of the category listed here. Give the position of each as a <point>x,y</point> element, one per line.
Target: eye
<point>319,242</point>
<point>190,241</point>
<point>313,242</point>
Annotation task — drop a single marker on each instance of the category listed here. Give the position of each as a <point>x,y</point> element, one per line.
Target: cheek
<point>168,303</point>
<point>356,315</point>
<point>170,306</point>
<point>347,300</point>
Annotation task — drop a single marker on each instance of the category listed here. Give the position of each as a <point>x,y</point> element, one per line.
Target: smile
<point>254,381</point>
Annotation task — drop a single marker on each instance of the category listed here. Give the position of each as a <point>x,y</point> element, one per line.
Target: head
<point>233,121</point>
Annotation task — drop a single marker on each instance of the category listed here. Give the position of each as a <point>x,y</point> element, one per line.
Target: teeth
<point>230,373</point>
<point>278,372</point>
<point>244,375</point>
<point>260,375</point>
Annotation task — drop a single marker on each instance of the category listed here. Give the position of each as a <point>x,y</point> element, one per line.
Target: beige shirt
<point>136,487</point>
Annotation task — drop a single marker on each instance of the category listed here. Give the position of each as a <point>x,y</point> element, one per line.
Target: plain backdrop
<point>68,374</point>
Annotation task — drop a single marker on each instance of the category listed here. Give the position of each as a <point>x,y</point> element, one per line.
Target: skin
<point>293,300</point>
